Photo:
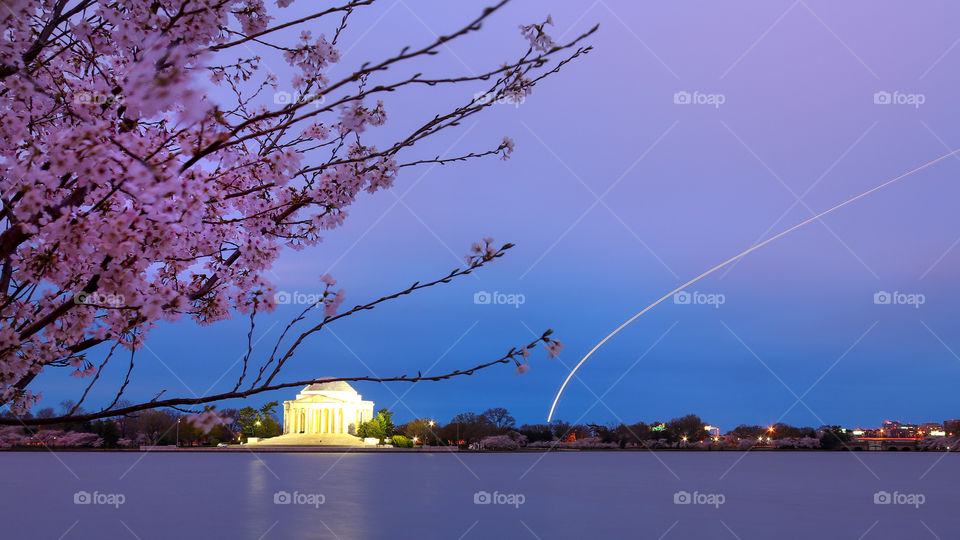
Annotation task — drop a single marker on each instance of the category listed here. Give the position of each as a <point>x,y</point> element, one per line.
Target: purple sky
<point>616,195</point>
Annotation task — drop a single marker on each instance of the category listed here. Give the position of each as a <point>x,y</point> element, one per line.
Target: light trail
<point>732,259</point>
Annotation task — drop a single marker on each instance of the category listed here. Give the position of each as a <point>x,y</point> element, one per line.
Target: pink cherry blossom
<point>149,161</point>
<point>333,302</point>
<point>538,39</point>
<point>207,420</point>
<point>507,146</point>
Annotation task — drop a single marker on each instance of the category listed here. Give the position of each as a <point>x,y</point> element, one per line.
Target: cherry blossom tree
<point>503,442</point>
<point>151,170</point>
<point>13,436</point>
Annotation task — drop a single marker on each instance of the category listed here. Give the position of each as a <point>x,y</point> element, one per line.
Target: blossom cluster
<point>145,194</point>
<point>539,40</point>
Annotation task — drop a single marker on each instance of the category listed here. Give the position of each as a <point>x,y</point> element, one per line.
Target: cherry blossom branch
<point>56,17</point>
<point>346,7</point>
<point>94,380</point>
<point>473,106</point>
<point>104,118</point>
<point>365,70</point>
<point>513,355</point>
<point>475,263</point>
<point>126,381</point>
<point>246,356</point>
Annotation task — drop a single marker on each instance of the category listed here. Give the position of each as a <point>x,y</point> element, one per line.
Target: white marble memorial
<point>320,408</point>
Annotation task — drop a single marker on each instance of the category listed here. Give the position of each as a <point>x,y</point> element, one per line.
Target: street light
<point>178,432</point>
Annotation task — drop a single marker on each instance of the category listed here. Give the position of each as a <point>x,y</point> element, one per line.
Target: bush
<point>499,442</point>
<point>399,441</point>
<point>591,443</point>
<point>938,443</point>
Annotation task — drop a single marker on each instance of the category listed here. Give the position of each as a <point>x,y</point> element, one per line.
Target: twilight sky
<point>616,194</point>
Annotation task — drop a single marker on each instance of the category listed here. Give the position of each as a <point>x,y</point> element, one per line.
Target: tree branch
<point>173,402</point>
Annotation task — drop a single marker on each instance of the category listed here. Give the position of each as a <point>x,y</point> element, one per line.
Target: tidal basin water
<point>519,495</point>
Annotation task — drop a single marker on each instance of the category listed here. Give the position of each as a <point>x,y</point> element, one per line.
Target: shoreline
<point>434,450</point>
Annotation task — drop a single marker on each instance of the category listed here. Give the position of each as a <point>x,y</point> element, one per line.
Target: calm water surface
<point>556,495</point>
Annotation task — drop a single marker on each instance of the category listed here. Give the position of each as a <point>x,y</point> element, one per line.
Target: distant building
<point>931,429</point>
<point>333,407</point>
<point>896,429</point>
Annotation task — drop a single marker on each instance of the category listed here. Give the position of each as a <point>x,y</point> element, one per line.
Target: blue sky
<point>616,194</point>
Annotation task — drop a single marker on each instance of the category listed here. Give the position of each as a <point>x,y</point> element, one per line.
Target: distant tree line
<point>151,427</point>
<point>469,428</point>
<point>494,428</point>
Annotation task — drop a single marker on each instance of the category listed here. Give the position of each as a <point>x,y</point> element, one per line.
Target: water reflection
<point>564,495</point>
